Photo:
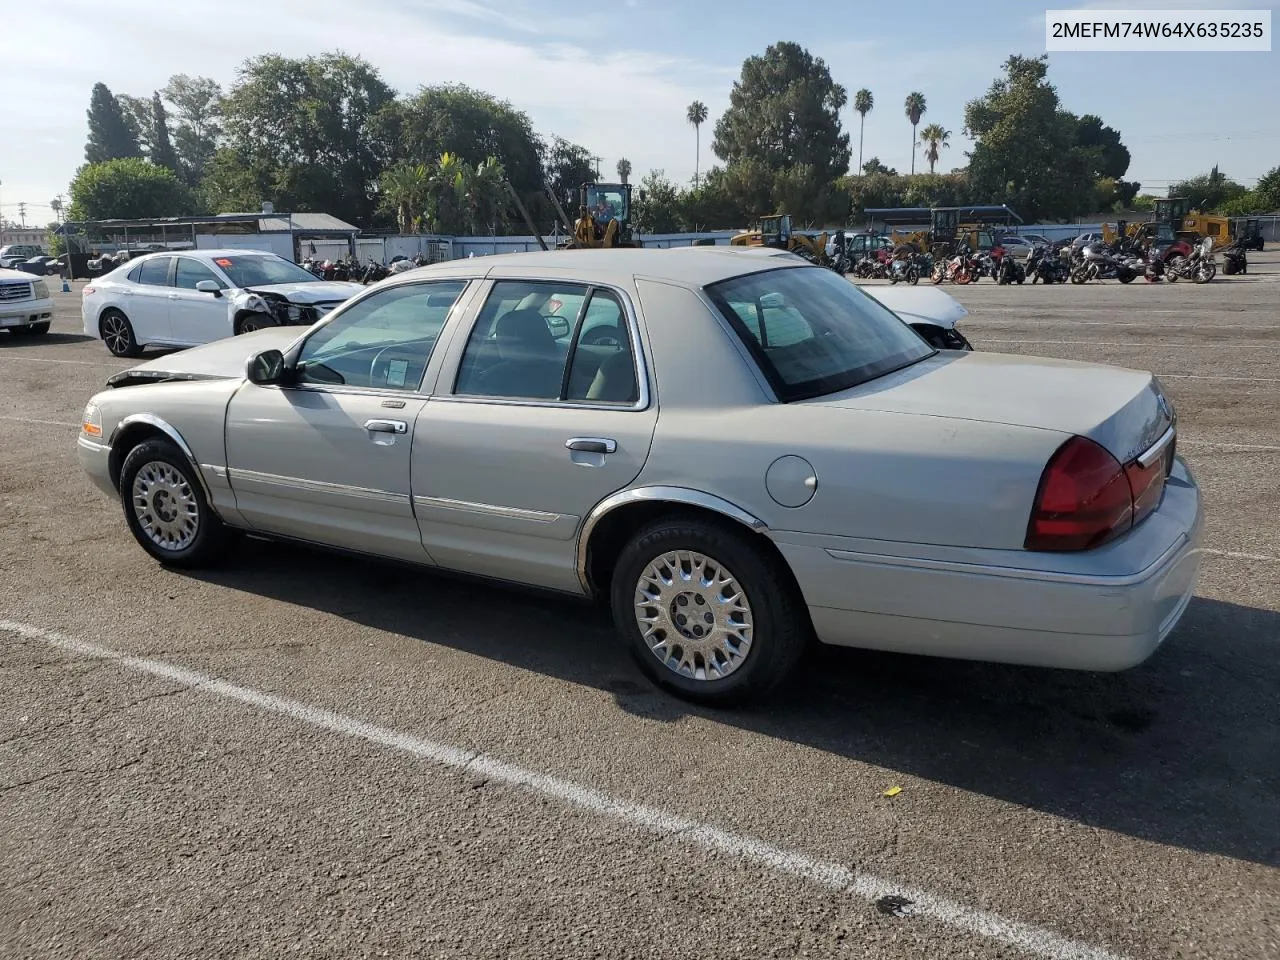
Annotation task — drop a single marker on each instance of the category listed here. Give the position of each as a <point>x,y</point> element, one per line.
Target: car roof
<point>684,266</point>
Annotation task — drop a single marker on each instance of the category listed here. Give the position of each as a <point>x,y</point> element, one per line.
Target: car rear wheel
<point>255,321</point>
<point>165,506</point>
<point>117,334</point>
<point>707,614</point>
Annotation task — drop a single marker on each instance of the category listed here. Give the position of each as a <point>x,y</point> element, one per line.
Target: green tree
<point>696,114</point>
<point>484,189</point>
<point>1209,191</point>
<point>467,123</point>
<point>1112,156</point>
<point>784,113</point>
<point>304,126</point>
<point>196,122</point>
<point>875,166</point>
<point>1267,192</point>
<point>863,101</point>
<point>403,191</point>
<point>660,210</point>
<point>446,195</point>
<point>624,170</point>
<point>915,107</point>
<point>568,167</point>
<point>161,152</point>
<point>1025,152</point>
<point>936,139</point>
<point>128,188</point>
<point>138,118</point>
<point>110,136</point>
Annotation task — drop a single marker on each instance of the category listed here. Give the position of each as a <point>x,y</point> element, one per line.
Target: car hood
<point>920,304</point>
<point>1123,410</point>
<point>322,291</point>
<point>220,359</point>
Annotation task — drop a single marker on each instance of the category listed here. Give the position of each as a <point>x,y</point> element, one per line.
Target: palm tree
<point>446,195</point>
<point>697,115</point>
<point>485,195</point>
<point>936,138</point>
<point>624,169</point>
<point>915,110</point>
<point>404,192</point>
<point>862,102</point>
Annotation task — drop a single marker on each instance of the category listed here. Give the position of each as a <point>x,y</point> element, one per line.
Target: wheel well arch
<point>241,313</point>
<point>612,523</point>
<point>139,428</point>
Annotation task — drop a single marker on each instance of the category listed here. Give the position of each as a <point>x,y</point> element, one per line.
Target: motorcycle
<point>904,270</point>
<point>1234,260</point>
<point>1095,263</point>
<point>1046,265</point>
<point>1198,265</point>
<point>1007,267</point>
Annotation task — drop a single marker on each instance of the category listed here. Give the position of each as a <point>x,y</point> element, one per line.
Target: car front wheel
<point>117,334</point>
<point>255,321</point>
<point>165,507</point>
<point>709,615</point>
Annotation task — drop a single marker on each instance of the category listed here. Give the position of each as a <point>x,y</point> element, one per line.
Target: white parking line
<point>1097,343</point>
<point>50,423</point>
<point>1197,376</point>
<point>1237,555</point>
<point>79,363</point>
<point>683,831</point>
<point>1225,445</point>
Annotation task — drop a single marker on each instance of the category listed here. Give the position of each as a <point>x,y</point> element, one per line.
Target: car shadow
<point>44,339</point>
<point>1183,750</point>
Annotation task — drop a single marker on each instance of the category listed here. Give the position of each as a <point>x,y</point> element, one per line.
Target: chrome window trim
<point>639,356</point>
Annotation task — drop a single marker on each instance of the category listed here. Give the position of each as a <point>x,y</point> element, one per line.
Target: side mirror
<point>266,367</point>
<point>209,286</point>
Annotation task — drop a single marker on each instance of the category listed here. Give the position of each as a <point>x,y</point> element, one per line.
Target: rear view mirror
<point>209,286</point>
<point>266,367</point>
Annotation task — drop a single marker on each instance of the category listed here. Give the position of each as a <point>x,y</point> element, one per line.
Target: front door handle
<point>386,426</point>
<point>592,445</point>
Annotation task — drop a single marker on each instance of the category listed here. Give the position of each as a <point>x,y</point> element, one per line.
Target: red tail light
<point>1084,499</point>
<point>86,291</point>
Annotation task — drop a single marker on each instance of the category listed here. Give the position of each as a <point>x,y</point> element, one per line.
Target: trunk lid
<point>1123,410</point>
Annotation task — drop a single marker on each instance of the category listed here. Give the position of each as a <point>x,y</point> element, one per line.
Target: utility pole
<point>597,160</point>
<point>22,214</point>
<point>1,225</point>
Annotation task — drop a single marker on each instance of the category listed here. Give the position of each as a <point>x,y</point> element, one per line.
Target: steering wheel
<point>605,335</point>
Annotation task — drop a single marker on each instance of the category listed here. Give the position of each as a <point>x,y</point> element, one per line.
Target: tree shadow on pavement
<point>1183,750</point>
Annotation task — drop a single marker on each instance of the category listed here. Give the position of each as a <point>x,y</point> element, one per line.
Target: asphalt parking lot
<point>307,755</point>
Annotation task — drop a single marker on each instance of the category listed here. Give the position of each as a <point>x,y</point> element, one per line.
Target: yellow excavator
<point>604,217</point>
<point>777,232</point>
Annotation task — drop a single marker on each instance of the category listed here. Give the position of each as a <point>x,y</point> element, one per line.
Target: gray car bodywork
<point>899,505</point>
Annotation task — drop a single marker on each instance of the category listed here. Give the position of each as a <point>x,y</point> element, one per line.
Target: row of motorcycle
<point>1063,262</point>
<point>349,269</point>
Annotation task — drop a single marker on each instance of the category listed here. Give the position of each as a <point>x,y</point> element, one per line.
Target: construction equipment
<point>604,217</point>
<point>1245,233</point>
<point>947,228</point>
<point>776,231</point>
<point>1191,224</point>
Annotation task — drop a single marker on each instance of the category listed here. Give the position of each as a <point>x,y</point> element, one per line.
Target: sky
<point>617,75</point>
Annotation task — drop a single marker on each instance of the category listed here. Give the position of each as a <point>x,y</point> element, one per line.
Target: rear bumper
<point>1106,610</point>
<point>22,312</point>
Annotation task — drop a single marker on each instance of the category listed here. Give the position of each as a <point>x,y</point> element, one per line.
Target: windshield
<point>259,270</point>
<point>813,332</point>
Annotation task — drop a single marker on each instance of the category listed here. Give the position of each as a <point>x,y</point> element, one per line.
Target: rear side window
<point>155,272</point>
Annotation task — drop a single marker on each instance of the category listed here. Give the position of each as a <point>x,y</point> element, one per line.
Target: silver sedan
<point>738,453</point>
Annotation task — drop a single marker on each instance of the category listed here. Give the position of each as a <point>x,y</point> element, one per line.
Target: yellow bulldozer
<point>777,232</point>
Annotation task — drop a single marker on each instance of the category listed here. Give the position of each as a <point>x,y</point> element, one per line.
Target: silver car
<point>738,453</point>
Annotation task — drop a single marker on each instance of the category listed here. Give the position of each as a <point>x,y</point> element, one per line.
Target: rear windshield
<point>254,271</point>
<point>813,332</point>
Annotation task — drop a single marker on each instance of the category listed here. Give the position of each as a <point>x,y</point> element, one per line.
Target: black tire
<point>117,334</point>
<point>781,628</point>
<point>255,321</point>
<point>161,458</point>
<point>1126,276</point>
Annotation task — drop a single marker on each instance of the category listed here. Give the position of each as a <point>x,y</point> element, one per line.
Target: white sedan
<point>194,297</point>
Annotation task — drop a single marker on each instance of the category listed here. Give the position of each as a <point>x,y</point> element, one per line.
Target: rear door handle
<point>592,445</point>
<point>386,426</point>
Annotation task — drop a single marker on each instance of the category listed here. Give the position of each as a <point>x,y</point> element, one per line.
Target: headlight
<point>295,311</point>
<point>91,421</point>
<point>40,289</point>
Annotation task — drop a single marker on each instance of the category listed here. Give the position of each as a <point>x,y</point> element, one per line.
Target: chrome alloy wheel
<point>165,506</point>
<point>693,615</point>
<point>115,331</point>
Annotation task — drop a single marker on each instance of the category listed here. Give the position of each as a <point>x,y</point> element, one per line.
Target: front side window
<point>382,342</point>
<point>155,272</point>
<point>252,270</point>
<point>544,340</point>
<point>190,272</point>
<point>812,332</point>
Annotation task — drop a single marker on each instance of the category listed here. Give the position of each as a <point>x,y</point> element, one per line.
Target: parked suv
<point>25,304</point>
